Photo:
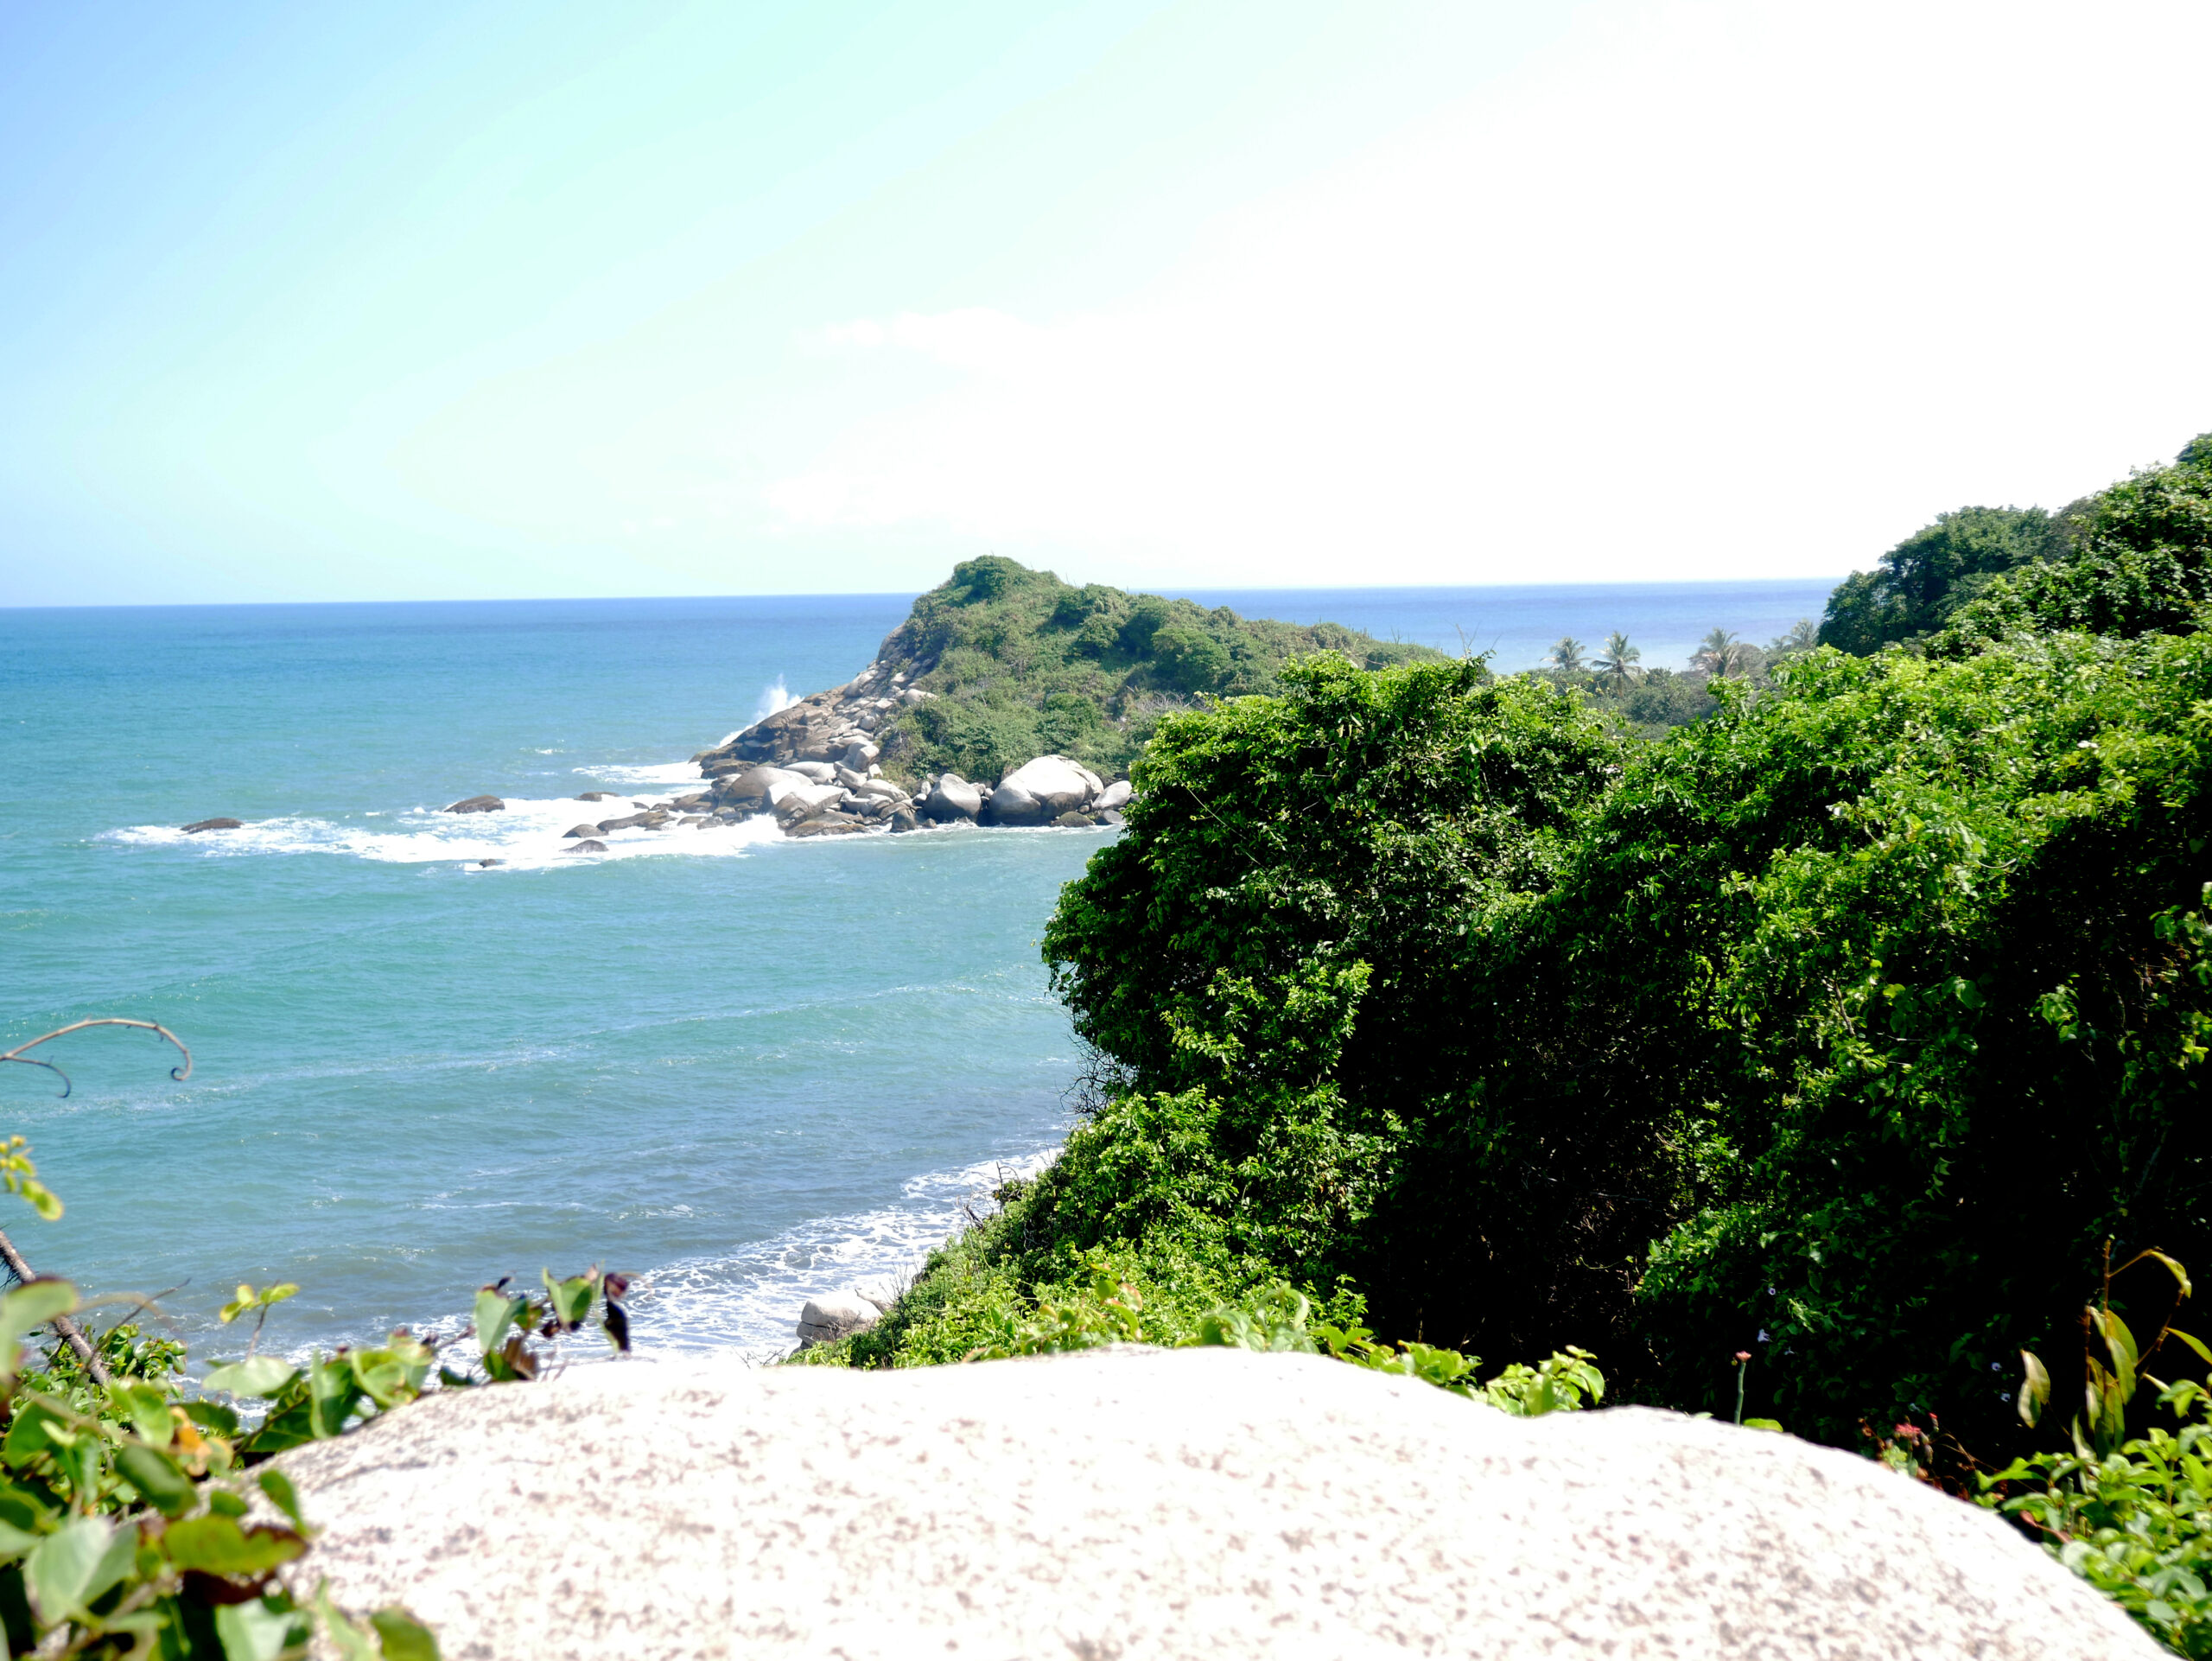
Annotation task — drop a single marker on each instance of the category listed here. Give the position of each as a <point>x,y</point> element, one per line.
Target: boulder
<point>651,819</point>
<point>880,787</point>
<point>596,796</point>
<point>1074,822</point>
<point>860,756</point>
<point>850,779</point>
<point>485,864</point>
<point>200,825</point>
<point>1116,794</point>
<point>582,831</point>
<point>826,824</point>
<point>588,845</point>
<point>953,797</point>
<point>1010,805</point>
<point>1053,781</point>
<point>820,773</point>
<point>835,1316</point>
<point>477,805</point>
<point>755,783</point>
<point>794,803</point>
<point>914,694</point>
<point>904,818</point>
<point>1177,1503</point>
<point>1107,816</point>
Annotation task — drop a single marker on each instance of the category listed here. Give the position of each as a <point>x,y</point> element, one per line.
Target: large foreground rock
<point>1055,782</point>
<point>1187,1503</point>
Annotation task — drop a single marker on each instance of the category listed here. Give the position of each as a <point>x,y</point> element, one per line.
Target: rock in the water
<point>1186,1503</point>
<point>198,825</point>
<point>651,820</point>
<point>1116,794</point>
<point>1054,782</point>
<point>479,804</point>
<point>588,845</point>
<point>1107,816</point>
<point>953,797</point>
<point>826,824</point>
<point>794,803</point>
<point>1075,822</point>
<point>904,818</point>
<point>582,831</point>
<point>597,796</point>
<point>1010,805</point>
<point>755,783</point>
<point>485,864</point>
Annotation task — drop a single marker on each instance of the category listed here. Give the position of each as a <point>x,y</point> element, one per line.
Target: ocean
<point>742,1069</point>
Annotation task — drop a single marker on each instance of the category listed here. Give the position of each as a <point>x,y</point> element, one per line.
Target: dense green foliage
<point>1923,581</point>
<point>1022,664</point>
<point>2143,563</point>
<point>1839,1028</point>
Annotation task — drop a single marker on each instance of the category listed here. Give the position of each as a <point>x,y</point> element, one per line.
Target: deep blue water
<point>747,1069</point>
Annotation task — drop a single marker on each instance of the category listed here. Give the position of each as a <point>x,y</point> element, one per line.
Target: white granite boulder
<point>1054,782</point>
<point>794,802</point>
<point>836,1314</point>
<point>1193,1503</point>
<point>1010,805</point>
<point>953,797</point>
<point>1113,796</point>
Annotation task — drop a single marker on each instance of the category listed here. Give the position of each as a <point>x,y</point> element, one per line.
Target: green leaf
<point>353,1641</point>
<point>62,1567</point>
<point>216,1545</point>
<point>571,1299</point>
<point>257,1375</point>
<point>2035,1388</point>
<point>404,1637</point>
<point>27,1308</point>
<point>15,1542</point>
<point>1762,1424</point>
<point>260,1629</point>
<point>2195,1344</point>
<point>147,1409</point>
<point>156,1475</point>
<point>495,1313</point>
<point>32,1431</point>
<point>279,1488</point>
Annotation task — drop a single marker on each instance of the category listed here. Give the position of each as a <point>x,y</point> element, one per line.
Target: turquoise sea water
<point>747,1069</point>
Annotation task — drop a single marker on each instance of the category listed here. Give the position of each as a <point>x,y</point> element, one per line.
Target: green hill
<point>1019,664</point>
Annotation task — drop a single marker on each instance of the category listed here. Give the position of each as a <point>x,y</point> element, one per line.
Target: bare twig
<point>17,1055</point>
<point>69,1331</point>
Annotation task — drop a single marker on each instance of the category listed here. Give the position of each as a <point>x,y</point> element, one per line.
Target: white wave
<point>749,1301</point>
<point>773,698</point>
<point>527,835</point>
<point>659,773</point>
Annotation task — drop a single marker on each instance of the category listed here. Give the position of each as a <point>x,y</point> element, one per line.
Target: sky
<point>420,301</point>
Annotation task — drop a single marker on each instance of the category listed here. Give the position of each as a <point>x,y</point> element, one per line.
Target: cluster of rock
<point>818,767</point>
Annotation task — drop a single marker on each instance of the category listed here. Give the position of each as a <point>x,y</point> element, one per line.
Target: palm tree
<point>1619,659</point>
<point>1718,654</point>
<point>1567,656</point>
<point>1804,635</point>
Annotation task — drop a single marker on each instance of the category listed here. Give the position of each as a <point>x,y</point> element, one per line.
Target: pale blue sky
<point>418,301</point>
